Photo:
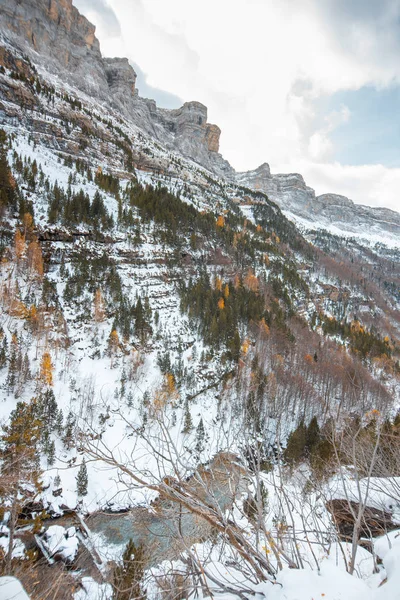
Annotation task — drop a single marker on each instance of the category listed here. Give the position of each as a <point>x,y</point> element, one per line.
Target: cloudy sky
<point>309,86</point>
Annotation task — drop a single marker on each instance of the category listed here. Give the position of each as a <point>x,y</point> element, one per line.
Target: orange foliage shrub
<point>264,329</point>
<point>236,282</point>
<point>218,283</point>
<point>245,346</point>
<point>165,394</point>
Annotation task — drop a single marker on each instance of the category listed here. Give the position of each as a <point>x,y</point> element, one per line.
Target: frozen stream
<point>166,528</point>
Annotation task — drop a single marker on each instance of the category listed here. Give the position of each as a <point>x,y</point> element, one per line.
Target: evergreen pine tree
<point>187,424</point>
<point>3,352</point>
<point>235,345</point>
<point>12,366</point>
<point>68,438</point>
<point>48,409</point>
<point>312,435</point>
<point>7,184</point>
<point>82,480</point>
<point>26,369</point>
<point>59,422</point>
<point>51,453</point>
<point>296,445</point>
<point>200,437</point>
<point>20,465</point>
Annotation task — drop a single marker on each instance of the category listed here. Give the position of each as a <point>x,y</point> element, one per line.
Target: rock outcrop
<point>121,78</point>
<point>194,137</point>
<point>288,190</point>
<point>260,179</point>
<point>213,134</point>
<point>293,191</point>
<point>339,209</point>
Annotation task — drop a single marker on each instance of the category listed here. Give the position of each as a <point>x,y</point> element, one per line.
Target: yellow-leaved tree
<point>264,329</point>
<point>236,282</point>
<point>251,281</point>
<point>220,221</point>
<point>27,223</point>
<point>113,345</point>
<point>218,283</point>
<point>46,369</point>
<point>165,394</point>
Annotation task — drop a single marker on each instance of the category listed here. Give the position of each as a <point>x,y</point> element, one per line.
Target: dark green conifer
<point>187,423</point>
<point>296,445</point>
<point>82,480</point>
<point>313,435</point>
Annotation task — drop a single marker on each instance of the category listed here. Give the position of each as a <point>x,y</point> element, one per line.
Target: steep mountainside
<point>187,354</point>
<point>64,42</point>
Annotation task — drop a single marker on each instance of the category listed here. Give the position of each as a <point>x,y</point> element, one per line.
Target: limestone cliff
<point>194,137</point>
<point>59,39</point>
<point>63,38</point>
<point>121,77</point>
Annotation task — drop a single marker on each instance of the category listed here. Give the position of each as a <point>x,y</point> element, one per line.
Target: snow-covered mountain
<point>59,39</point>
<point>180,342</point>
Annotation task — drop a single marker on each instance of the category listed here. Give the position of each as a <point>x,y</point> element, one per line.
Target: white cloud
<point>320,146</point>
<point>259,65</point>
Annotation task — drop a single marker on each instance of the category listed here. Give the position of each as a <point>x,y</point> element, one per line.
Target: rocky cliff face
<point>213,134</point>
<point>64,39</point>
<point>54,33</point>
<point>259,179</point>
<point>339,209</point>
<point>194,137</point>
<point>121,78</point>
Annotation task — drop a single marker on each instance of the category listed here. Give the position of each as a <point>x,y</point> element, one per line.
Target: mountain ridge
<point>58,31</point>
